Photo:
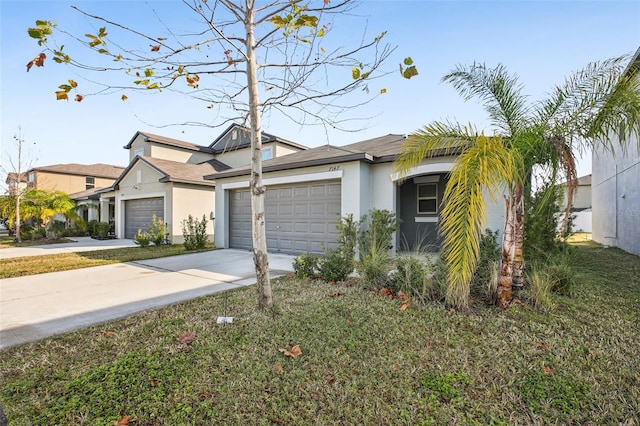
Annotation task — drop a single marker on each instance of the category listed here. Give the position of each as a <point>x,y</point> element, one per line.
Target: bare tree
<point>244,58</point>
<point>18,165</point>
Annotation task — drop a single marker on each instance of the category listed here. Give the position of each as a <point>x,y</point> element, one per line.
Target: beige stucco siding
<point>139,146</point>
<point>281,149</point>
<point>67,183</point>
<point>191,200</point>
<point>240,157</point>
<point>178,154</point>
<point>140,182</point>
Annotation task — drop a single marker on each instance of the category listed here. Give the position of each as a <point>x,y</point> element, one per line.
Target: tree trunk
<point>18,199</point>
<point>260,258</point>
<point>505,281</point>
<point>518,260</point>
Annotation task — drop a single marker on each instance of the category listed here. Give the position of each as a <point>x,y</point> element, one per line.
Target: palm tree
<point>592,103</point>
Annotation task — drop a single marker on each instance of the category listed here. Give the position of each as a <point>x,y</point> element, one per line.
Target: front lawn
<point>363,360</point>
<point>32,265</point>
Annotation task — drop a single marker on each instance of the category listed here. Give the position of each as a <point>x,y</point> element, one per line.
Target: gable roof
<point>87,194</point>
<point>175,171</point>
<point>223,144</point>
<point>94,170</point>
<point>163,140</point>
<point>377,150</point>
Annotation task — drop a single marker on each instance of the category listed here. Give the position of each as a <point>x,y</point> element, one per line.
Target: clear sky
<point>541,41</point>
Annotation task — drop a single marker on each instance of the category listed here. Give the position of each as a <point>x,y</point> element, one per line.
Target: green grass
<point>364,361</point>
<point>23,266</point>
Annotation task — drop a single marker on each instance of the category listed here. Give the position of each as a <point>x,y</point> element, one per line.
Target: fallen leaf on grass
<point>336,294</point>
<point>153,383</point>
<point>548,371</point>
<point>294,353</point>
<point>186,338</point>
<point>404,307</point>
<point>125,421</point>
<point>277,367</point>
<point>330,379</point>
<point>277,420</point>
<point>402,295</point>
<point>541,345</point>
<point>109,334</point>
<point>387,292</point>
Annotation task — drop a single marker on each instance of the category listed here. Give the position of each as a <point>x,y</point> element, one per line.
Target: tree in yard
<point>18,166</point>
<point>246,58</point>
<point>581,113</point>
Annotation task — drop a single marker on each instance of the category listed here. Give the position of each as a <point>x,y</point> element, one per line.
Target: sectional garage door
<point>299,217</point>
<point>139,213</point>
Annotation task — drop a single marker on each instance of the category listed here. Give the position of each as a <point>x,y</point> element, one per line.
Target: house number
<point>334,168</point>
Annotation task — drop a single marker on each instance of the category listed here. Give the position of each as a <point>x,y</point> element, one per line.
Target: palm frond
<point>499,91</point>
<point>437,138</point>
<point>487,165</point>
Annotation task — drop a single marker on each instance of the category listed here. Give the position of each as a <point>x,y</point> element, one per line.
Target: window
<point>140,152</point>
<point>267,153</point>
<point>90,182</point>
<point>31,177</point>
<point>427,198</point>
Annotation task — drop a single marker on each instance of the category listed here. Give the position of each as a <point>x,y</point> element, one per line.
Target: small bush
<point>305,265</point>
<point>194,232</point>
<point>562,276</point>
<point>92,228</point>
<point>348,229</point>
<point>374,268</point>
<point>142,238</point>
<point>102,230</point>
<point>540,286</point>
<point>158,231</point>
<point>379,231</point>
<point>334,266</point>
<point>56,230</point>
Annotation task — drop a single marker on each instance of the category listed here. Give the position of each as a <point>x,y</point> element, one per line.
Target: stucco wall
<point>615,193</point>
<point>177,154</point>
<point>140,185</point>
<point>139,144</point>
<point>67,183</point>
<point>191,200</point>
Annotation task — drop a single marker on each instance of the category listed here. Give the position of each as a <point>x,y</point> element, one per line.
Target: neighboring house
<point>581,206</point>
<point>615,190</point>
<point>308,192</point>
<point>165,178</point>
<point>80,181</point>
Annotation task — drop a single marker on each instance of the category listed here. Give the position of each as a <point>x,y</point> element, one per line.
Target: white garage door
<point>138,214</point>
<point>299,218</point>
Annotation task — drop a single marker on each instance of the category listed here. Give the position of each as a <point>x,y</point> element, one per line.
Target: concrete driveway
<point>38,306</point>
<point>79,244</point>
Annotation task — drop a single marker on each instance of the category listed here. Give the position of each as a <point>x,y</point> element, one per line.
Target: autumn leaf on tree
<point>186,338</point>
<point>38,61</point>
<point>79,98</point>
<point>155,48</point>
<point>294,353</point>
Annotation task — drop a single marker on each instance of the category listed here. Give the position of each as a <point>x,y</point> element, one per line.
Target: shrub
<point>379,231</point>
<point>540,285</point>
<point>56,229</point>
<point>92,228</point>
<point>102,230</point>
<point>305,265</point>
<point>415,275</point>
<point>375,266</point>
<point>334,266</point>
<point>141,238</point>
<point>194,232</point>
<point>562,276</point>
<point>158,231</point>
<point>348,229</point>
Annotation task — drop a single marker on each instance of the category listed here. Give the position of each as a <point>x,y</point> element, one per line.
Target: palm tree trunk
<point>505,281</point>
<point>260,258</point>
<point>518,260</point>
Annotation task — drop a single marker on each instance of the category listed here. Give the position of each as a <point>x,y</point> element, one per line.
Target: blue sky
<point>541,41</point>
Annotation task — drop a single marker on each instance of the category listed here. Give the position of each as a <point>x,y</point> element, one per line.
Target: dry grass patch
<point>363,361</point>
<point>32,265</point>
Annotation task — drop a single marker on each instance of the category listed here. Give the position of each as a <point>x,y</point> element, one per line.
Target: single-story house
<point>308,192</point>
<point>165,178</point>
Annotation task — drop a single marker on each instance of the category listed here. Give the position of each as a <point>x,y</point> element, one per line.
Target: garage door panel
<point>138,214</point>
<point>300,217</point>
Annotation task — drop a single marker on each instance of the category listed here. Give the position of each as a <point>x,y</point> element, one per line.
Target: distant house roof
<point>87,194</point>
<point>94,170</point>
<point>584,180</point>
<point>163,140</point>
<point>224,143</point>
<point>377,150</point>
<point>13,177</point>
<point>175,171</point>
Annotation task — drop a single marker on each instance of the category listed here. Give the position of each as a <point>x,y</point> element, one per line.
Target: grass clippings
<point>362,360</point>
<point>32,265</point>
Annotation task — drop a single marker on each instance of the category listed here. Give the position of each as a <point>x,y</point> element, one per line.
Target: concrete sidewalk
<point>79,244</point>
<point>38,306</point>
